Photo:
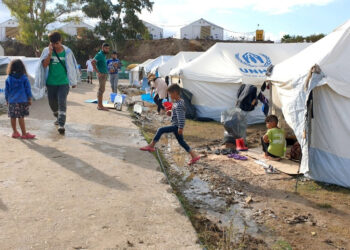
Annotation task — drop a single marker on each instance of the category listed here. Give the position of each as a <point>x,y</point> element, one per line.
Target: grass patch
<point>324,205</point>
<point>282,245</point>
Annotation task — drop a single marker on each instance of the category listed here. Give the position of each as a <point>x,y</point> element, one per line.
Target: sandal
<point>148,148</point>
<point>16,135</point>
<point>28,136</point>
<point>238,157</point>
<point>194,160</point>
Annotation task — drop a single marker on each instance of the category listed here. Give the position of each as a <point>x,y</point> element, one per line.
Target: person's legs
<point>159,103</point>
<point>62,94</point>
<point>14,125</point>
<point>22,125</point>
<point>180,139</point>
<point>160,132</point>
<point>53,99</point>
<point>114,82</point>
<point>102,86</point>
<point>264,145</point>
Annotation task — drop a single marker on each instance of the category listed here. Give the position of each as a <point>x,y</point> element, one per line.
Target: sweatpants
<point>114,78</point>
<point>57,96</point>
<point>174,130</point>
<point>159,103</point>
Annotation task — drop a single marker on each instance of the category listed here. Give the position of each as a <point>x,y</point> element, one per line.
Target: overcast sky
<point>276,17</point>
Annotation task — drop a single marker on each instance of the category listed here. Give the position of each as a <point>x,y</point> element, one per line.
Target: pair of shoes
<point>16,135</point>
<point>225,151</point>
<point>238,157</point>
<point>61,130</point>
<point>148,148</point>
<point>194,160</point>
<point>28,136</point>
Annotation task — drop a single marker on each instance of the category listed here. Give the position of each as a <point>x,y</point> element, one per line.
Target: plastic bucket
<point>112,96</point>
<point>168,105</point>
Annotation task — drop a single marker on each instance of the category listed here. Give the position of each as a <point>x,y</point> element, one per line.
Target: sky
<point>276,17</point>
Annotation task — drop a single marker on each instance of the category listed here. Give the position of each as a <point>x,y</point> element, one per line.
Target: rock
<point>248,200</point>
<point>313,233</point>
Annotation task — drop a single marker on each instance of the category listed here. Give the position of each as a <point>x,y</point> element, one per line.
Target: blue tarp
<point>149,98</point>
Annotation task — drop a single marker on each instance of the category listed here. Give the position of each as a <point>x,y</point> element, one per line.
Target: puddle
<point>199,194</point>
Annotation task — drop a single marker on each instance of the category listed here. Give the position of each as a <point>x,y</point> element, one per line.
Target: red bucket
<point>168,106</point>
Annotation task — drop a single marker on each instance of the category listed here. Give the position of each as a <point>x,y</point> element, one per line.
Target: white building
<point>71,28</point>
<point>202,29</point>
<point>9,29</point>
<point>155,31</point>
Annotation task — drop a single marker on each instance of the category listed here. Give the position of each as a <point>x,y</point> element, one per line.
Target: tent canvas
<point>178,60</point>
<point>215,77</point>
<point>325,135</point>
<point>153,66</point>
<point>135,72</point>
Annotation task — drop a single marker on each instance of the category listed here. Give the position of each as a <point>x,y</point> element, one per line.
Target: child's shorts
<point>18,110</point>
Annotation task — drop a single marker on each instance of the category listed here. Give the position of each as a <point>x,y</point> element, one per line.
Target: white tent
<point>2,51</point>
<point>325,134</point>
<point>135,72</point>
<point>29,62</point>
<point>153,66</point>
<point>177,61</point>
<point>215,76</point>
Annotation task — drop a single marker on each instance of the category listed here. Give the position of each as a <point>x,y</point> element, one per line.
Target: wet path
<point>89,189</point>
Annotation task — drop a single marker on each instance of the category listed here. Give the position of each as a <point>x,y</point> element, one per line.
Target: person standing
<point>161,90</point>
<point>100,66</point>
<point>18,97</point>
<point>89,69</point>
<point>114,65</point>
<point>61,70</point>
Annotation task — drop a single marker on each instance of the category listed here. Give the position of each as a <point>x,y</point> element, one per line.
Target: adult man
<point>89,69</point>
<point>60,68</point>
<point>114,65</point>
<point>100,66</point>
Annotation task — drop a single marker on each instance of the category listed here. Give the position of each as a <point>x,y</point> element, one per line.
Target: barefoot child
<point>178,124</point>
<point>18,96</point>
<point>273,142</point>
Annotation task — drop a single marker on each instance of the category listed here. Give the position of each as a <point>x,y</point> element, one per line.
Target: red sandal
<point>16,135</point>
<point>28,136</point>
<point>148,148</point>
<point>194,160</point>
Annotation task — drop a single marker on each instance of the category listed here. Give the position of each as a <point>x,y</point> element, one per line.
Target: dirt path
<point>91,189</point>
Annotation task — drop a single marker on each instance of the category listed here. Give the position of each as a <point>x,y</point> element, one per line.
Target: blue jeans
<point>172,129</point>
<point>114,82</point>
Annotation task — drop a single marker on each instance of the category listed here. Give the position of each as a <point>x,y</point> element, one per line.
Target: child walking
<point>273,142</point>
<point>178,124</point>
<point>18,96</point>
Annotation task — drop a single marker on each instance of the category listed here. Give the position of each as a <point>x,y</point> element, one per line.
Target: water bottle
<point>2,96</point>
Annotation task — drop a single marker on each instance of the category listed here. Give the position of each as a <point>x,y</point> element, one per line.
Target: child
<point>178,124</point>
<point>273,142</point>
<point>161,88</point>
<point>18,96</point>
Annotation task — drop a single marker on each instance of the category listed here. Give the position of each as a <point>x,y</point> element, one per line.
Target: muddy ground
<point>236,205</point>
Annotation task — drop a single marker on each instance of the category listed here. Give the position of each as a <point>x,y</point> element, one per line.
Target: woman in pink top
<point>161,89</point>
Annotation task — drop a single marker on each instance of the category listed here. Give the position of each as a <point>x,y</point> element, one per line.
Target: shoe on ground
<point>61,130</point>
<point>28,136</point>
<point>16,135</point>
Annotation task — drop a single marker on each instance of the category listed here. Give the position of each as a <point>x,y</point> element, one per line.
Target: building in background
<point>202,29</point>
<point>154,31</point>
<point>71,28</point>
<point>260,35</point>
<point>9,29</point>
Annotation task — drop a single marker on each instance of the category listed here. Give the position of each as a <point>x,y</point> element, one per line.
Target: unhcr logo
<point>254,61</point>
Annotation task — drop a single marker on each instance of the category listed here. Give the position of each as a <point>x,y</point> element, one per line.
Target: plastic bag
<point>235,123</point>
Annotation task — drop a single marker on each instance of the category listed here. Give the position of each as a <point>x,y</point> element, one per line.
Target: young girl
<point>178,123</point>
<point>18,96</point>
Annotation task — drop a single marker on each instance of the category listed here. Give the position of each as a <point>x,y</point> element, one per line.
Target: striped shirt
<point>179,114</point>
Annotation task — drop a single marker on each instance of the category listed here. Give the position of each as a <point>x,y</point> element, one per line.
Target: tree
<point>34,16</point>
<point>118,19</point>
<point>301,39</point>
